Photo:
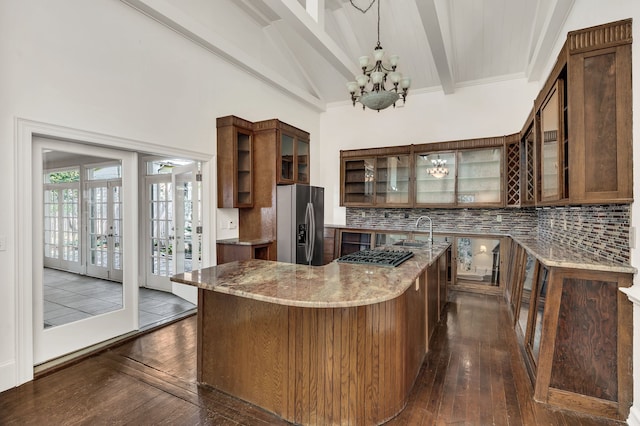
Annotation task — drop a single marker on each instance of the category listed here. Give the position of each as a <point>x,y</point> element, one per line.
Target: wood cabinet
<point>600,113</point>
<point>329,244</point>
<point>583,120</point>
<point>351,241</point>
<point>233,249</point>
<point>235,162</point>
<point>574,328</point>
<point>376,177</point>
<point>292,147</point>
<point>459,174</point>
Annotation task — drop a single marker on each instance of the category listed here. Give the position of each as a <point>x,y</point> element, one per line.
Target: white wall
<point>102,66</point>
<point>471,112</point>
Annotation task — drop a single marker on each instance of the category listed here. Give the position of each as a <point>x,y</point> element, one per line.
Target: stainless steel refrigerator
<point>300,223</point>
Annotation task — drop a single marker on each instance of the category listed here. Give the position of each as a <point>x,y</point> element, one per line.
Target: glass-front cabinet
<point>382,178</point>
<point>293,157</point>
<point>479,176</point>
<point>466,177</point>
<point>552,164</point>
<point>435,178</point>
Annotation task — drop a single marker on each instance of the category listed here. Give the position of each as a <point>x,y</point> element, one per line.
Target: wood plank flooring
<point>472,376</point>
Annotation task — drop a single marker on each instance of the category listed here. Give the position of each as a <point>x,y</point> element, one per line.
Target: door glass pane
<point>479,176</point>
<point>392,180</point>
<point>525,299</point>
<point>82,214</point>
<point>539,314</point>
<point>161,248</point>
<point>303,161</point>
<point>358,180</point>
<point>549,123</point>
<point>478,261</point>
<point>286,157</point>
<point>436,178</point>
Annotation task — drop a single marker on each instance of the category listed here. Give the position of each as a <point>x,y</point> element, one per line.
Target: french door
<point>104,229</point>
<point>111,224</point>
<point>174,233</point>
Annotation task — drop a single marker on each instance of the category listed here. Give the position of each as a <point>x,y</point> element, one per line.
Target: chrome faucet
<point>430,240</point>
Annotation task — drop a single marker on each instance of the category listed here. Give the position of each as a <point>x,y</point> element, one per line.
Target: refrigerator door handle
<point>312,233</point>
<point>307,221</point>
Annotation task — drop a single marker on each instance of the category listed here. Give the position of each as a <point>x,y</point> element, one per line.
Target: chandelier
<point>439,169</point>
<point>370,87</point>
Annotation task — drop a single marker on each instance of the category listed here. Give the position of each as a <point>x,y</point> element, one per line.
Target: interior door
<point>187,226</point>
<point>104,224</point>
<point>52,342</point>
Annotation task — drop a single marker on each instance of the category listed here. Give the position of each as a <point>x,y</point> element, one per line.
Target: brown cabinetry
<point>235,162</point>
<point>599,93</point>
<point>574,327</point>
<point>376,177</point>
<point>583,120</point>
<point>292,163</point>
<point>233,249</point>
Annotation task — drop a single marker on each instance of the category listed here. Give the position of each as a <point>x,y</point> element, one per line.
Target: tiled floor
<point>71,297</point>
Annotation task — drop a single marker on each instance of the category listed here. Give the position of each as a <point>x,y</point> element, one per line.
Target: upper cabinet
<point>235,162</point>
<point>583,120</point>
<point>600,108</point>
<point>376,177</point>
<point>293,154</point>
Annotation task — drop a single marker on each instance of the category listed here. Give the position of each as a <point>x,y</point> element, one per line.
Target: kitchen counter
<point>329,286</point>
<point>334,344</point>
<point>549,253</point>
<point>244,242</point>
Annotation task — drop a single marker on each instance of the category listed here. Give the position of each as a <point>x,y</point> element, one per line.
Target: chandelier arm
<point>360,9</point>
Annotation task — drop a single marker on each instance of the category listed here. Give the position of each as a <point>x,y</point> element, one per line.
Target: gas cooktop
<point>377,257</point>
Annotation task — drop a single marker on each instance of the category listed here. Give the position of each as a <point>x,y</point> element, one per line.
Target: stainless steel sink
<point>410,243</point>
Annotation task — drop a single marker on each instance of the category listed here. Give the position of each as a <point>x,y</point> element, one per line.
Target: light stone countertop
<point>555,255</point>
<point>334,285</point>
<point>550,254</point>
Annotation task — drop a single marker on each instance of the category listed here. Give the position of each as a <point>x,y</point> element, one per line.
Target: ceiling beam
<point>549,34</point>
<point>178,21</point>
<point>299,20</point>
<point>436,40</point>
<point>274,33</point>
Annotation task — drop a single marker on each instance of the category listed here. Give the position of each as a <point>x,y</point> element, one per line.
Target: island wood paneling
<point>316,366</point>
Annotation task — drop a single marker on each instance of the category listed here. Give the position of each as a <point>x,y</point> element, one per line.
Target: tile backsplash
<point>599,229</point>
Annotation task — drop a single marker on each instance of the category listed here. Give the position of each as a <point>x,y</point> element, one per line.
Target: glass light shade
<point>377,77</point>
<point>364,61</point>
<point>378,100</point>
<point>378,54</point>
<point>405,83</point>
<point>395,77</point>
<point>352,86</point>
<point>393,60</point>
<point>362,80</point>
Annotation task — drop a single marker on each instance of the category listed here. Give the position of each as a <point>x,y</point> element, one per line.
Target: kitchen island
<point>332,344</point>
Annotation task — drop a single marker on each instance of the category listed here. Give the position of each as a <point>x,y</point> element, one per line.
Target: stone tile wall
<point>600,229</point>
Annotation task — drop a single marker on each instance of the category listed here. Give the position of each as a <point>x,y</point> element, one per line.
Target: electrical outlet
<point>499,218</point>
<point>231,224</point>
<point>363,214</point>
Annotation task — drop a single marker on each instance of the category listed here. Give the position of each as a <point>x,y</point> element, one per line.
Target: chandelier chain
<point>365,10</point>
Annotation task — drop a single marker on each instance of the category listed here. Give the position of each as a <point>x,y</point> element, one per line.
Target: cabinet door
<point>286,159</point>
<point>353,241</point>
<point>392,175</point>
<point>302,161</point>
<point>601,125</point>
<point>537,314</point>
<point>552,160</point>
<point>435,178</point>
<point>358,178</point>
<point>389,239</point>
<point>244,166</point>
<point>526,294</point>
<point>480,176</point>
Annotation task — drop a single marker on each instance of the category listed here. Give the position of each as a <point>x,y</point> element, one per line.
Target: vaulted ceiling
<point>309,49</point>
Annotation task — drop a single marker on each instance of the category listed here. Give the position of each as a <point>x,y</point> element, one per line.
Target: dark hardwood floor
<point>473,375</point>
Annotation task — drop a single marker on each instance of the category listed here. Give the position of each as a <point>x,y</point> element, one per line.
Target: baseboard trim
<point>7,375</point>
